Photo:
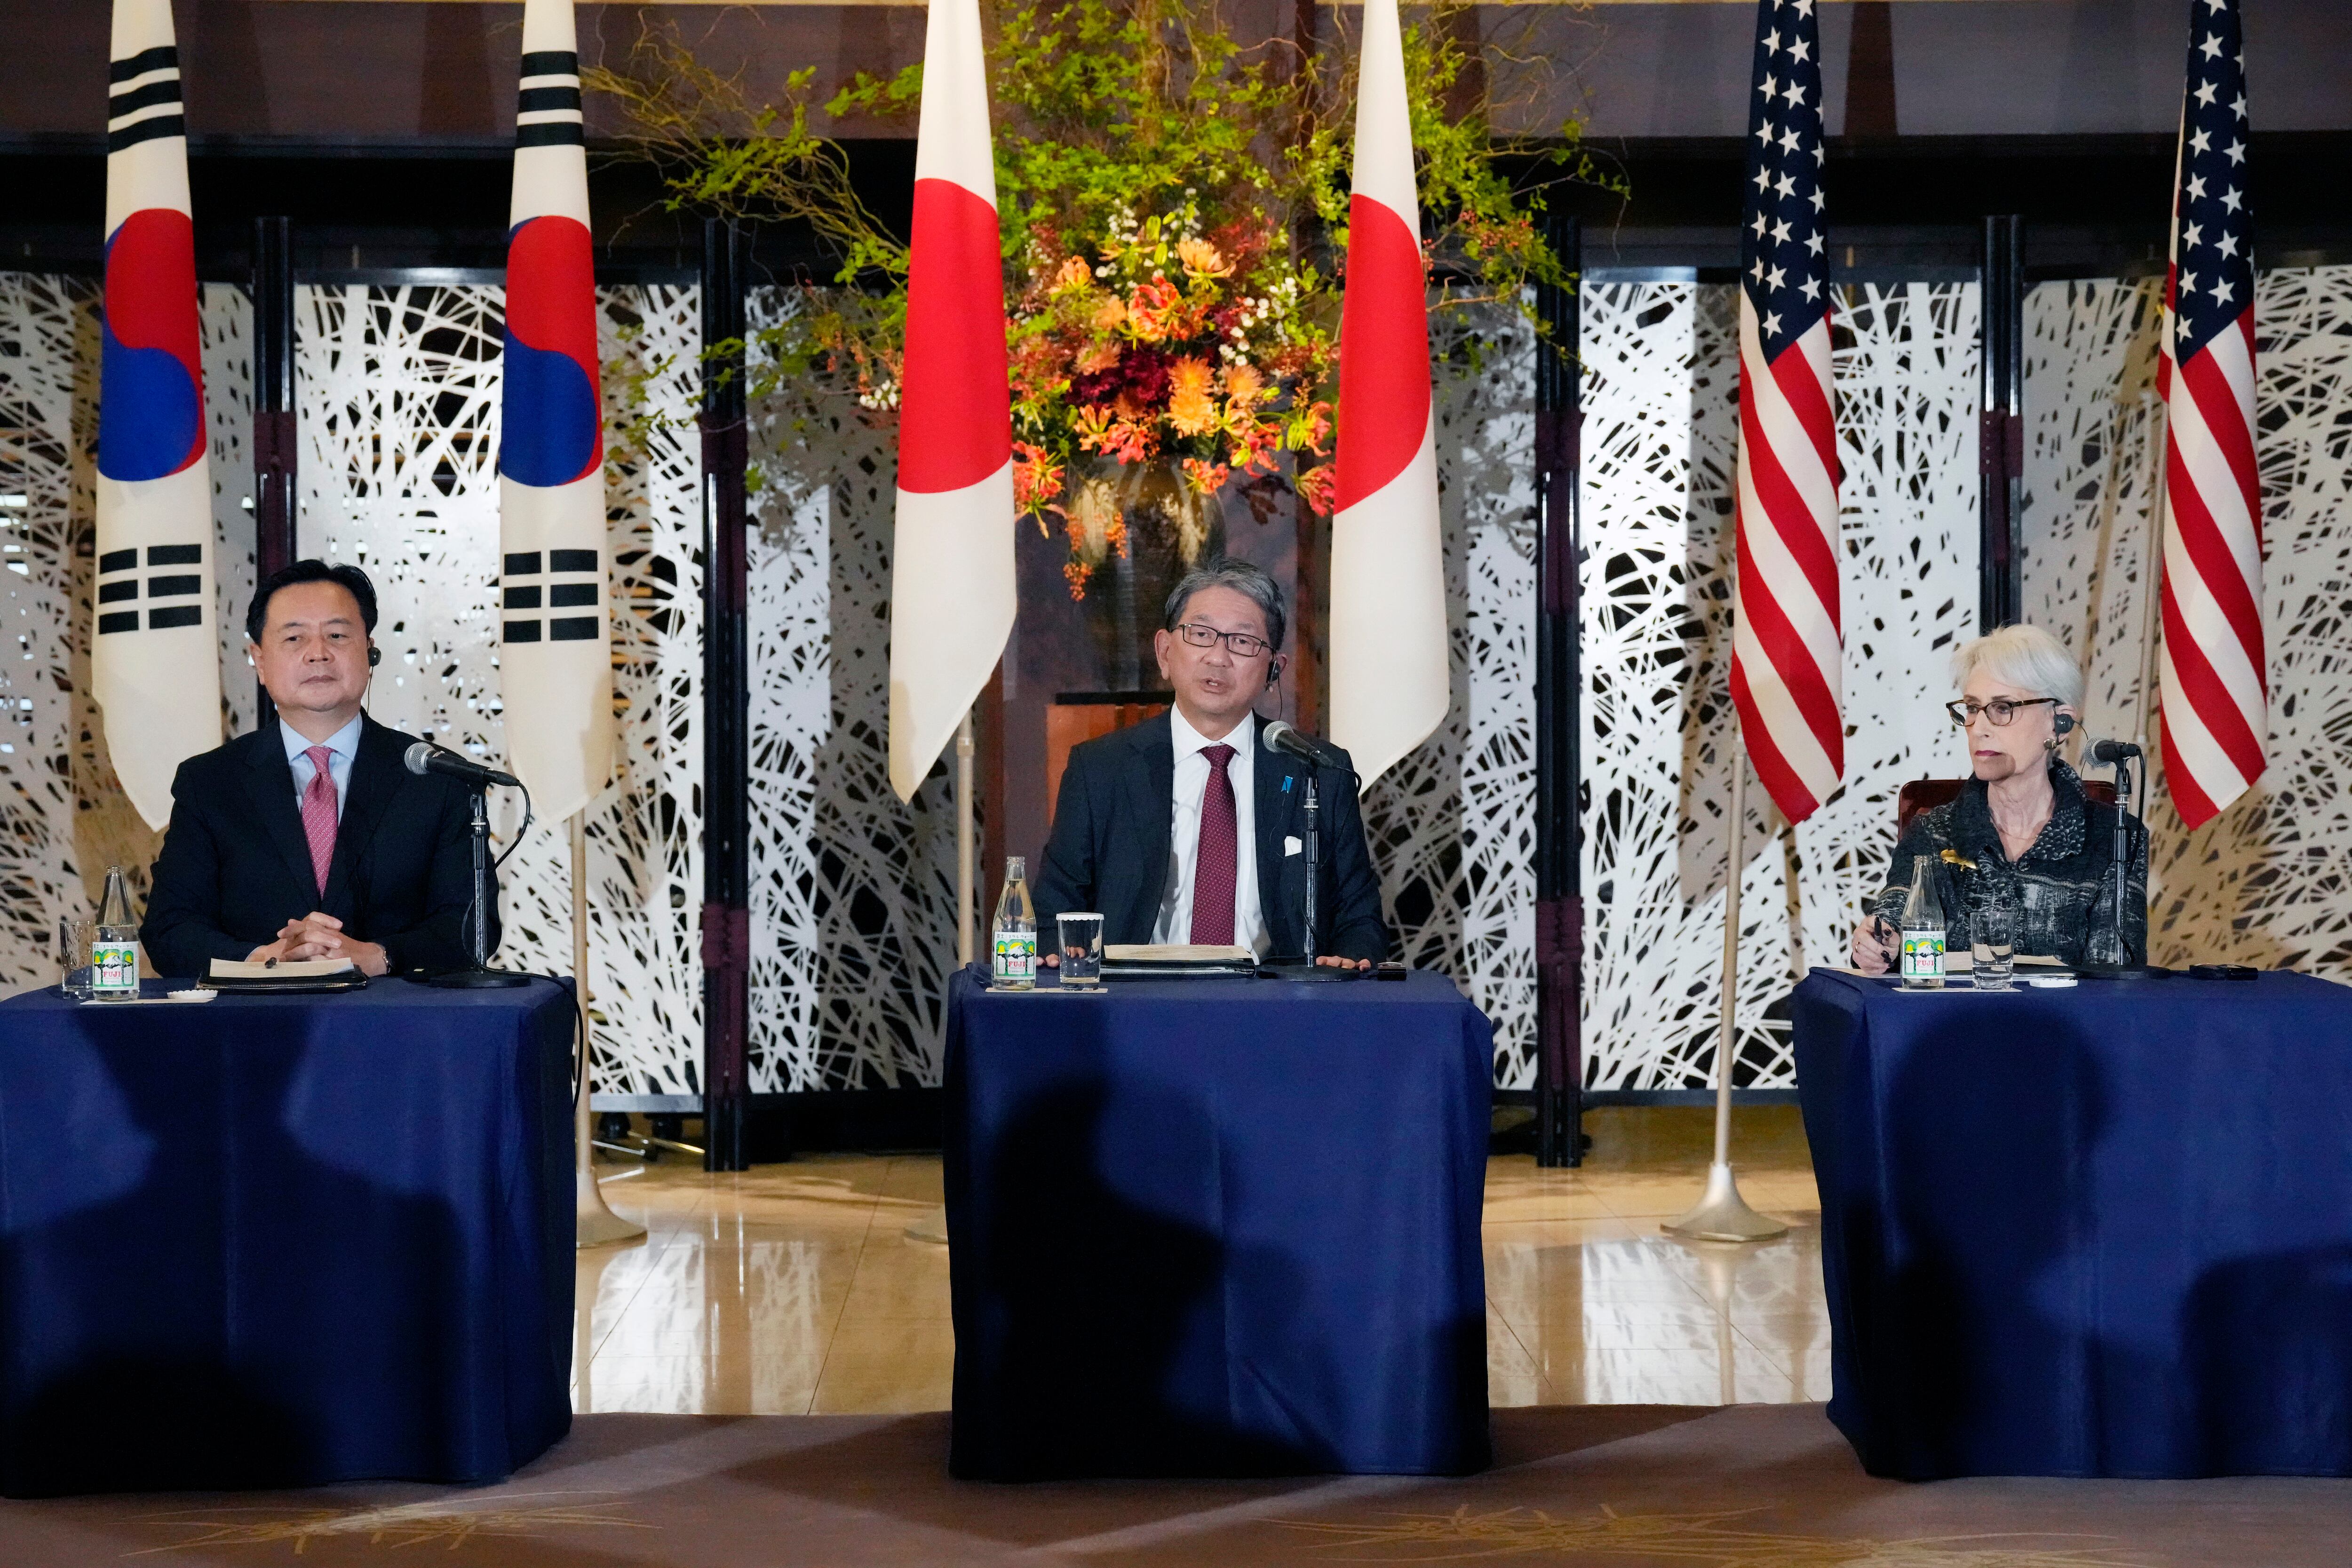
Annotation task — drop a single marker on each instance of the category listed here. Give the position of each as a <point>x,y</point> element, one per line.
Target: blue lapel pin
<point>1286,784</point>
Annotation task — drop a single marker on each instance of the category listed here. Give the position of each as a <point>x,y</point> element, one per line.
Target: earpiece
<point>2065,723</point>
<point>375,656</point>
<point>1273,672</point>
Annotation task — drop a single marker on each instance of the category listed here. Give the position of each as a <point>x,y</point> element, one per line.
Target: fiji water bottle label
<point>1923,955</point>
<point>1016,958</point>
<point>114,966</point>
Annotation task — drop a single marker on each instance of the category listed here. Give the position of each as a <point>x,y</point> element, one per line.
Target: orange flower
<point>1202,260</point>
<point>1244,385</point>
<point>1147,308</point>
<point>1108,317</point>
<point>1036,480</point>
<point>1190,407</point>
<point>1074,274</point>
<point>1128,442</point>
<point>1098,356</point>
<point>1318,487</point>
<point>1205,478</point>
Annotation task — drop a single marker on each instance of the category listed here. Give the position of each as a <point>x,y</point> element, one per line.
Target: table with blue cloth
<point>2104,1231</point>
<point>283,1240</point>
<point>1213,1227</point>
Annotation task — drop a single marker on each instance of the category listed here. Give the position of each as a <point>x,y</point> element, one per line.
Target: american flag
<point>1786,651</point>
<point>2215,687</point>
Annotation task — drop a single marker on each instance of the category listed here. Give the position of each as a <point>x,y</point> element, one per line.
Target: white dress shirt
<point>1175,923</point>
<point>344,745</point>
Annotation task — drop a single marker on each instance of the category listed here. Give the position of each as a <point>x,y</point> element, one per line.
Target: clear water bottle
<point>1014,965</point>
<point>114,956</point>
<point>1923,929</point>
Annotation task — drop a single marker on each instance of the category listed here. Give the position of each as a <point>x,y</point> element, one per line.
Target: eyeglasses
<point>1241,645</point>
<point>2000,709</point>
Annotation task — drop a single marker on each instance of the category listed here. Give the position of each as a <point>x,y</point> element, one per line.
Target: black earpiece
<point>2065,723</point>
<point>375,656</point>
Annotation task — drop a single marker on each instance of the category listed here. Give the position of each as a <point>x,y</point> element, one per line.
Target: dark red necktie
<point>1216,866</point>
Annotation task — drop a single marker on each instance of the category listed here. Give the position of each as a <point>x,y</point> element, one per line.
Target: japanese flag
<point>952,584</point>
<point>1389,682</point>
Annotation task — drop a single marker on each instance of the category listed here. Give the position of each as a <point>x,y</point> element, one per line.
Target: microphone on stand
<point>425,757</point>
<point>2113,752</point>
<point>1281,736</point>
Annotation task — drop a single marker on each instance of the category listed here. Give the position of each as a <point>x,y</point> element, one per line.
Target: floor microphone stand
<point>478,975</point>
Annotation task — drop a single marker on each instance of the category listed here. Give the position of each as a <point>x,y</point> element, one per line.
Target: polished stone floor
<point>794,1287</point>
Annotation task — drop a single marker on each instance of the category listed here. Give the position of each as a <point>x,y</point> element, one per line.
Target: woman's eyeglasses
<point>2000,709</point>
<point>1241,645</point>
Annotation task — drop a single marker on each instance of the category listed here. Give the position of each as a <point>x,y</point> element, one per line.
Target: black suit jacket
<point>1110,845</point>
<point>235,867</point>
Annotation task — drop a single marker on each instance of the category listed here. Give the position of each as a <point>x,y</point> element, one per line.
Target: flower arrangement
<point>1158,338</point>
<point>1172,204</point>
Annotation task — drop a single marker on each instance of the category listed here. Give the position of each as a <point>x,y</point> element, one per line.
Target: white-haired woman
<point>2022,822</point>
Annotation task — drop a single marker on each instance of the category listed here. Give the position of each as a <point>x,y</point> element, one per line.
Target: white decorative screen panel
<point>2262,882</point>
<point>398,390</point>
<point>63,816</point>
<point>853,900</point>
<point>1659,441</point>
<point>1453,825</point>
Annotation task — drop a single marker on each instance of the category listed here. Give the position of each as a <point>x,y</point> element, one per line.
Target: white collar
<point>344,742</point>
<point>1188,739</point>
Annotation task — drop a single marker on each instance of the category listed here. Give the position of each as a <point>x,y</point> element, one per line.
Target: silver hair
<point>1251,581</point>
<point>2026,658</point>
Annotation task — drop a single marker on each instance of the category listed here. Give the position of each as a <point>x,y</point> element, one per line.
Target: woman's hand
<point>1876,945</point>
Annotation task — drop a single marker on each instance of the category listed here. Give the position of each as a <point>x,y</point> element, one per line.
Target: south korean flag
<point>154,647</point>
<point>555,648</point>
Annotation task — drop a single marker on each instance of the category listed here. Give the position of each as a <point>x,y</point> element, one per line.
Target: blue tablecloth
<point>2104,1231</point>
<point>284,1240</point>
<point>1217,1227</point>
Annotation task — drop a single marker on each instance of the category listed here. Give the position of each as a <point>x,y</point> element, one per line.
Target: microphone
<point>425,757</point>
<point>2113,752</point>
<point>1281,736</point>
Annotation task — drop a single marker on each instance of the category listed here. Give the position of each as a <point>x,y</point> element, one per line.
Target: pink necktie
<point>1215,868</point>
<point>319,813</point>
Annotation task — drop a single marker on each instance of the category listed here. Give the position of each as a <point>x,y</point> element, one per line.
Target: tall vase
<point>1162,531</point>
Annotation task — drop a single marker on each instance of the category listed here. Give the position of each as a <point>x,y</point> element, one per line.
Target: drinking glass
<point>1081,948</point>
<point>76,935</point>
<point>1992,943</point>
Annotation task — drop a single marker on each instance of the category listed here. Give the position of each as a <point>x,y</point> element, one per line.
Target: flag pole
<point>933,1227</point>
<point>1722,1215</point>
<point>596,1224</point>
<point>2151,576</point>
<point>963,877</point>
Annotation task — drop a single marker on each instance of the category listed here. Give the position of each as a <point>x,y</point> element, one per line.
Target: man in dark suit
<point>310,837</point>
<point>1184,828</point>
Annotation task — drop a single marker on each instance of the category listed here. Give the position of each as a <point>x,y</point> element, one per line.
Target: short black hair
<point>1248,579</point>
<point>349,578</point>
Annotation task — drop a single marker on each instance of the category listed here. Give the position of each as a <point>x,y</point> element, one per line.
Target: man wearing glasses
<point>1184,829</point>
